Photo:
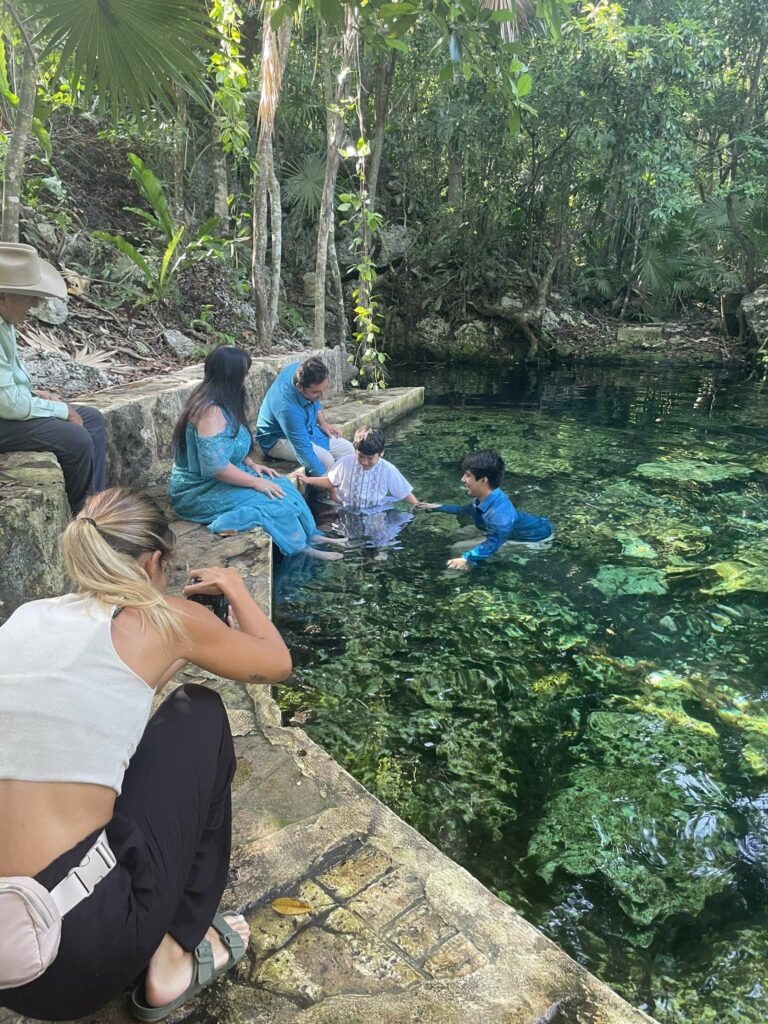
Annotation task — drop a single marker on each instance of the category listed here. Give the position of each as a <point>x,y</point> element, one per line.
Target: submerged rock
<point>643,814</point>
<point>692,469</point>
<point>621,580</point>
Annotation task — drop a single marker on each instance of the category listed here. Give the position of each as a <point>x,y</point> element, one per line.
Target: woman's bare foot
<point>326,556</point>
<point>320,538</point>
<point>170,970</point>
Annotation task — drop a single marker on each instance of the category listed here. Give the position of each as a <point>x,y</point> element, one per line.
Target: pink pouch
<point>30,931</point>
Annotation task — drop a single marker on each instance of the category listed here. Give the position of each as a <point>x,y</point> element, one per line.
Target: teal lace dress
<point>198,496</point>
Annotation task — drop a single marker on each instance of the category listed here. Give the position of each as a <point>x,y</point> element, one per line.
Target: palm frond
<point>520,12</point>
<point>656,270</point>
<point>303,181</point>
<point>132,51</point>
<point>86,353</point>
<point>713,214</point>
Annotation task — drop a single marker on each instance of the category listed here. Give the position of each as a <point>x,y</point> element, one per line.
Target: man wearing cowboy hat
<point>37,421</point>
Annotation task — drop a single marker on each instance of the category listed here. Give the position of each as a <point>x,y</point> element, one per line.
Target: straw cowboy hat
<point>22,272</point>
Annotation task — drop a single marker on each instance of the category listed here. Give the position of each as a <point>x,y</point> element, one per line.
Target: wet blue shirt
<point>286,413</point>
<point>501,521</point>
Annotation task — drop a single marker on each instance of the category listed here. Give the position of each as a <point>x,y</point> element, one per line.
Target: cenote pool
<point>585,729</point>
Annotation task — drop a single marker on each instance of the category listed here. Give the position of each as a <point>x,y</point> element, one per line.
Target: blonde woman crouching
<point>78,756</point>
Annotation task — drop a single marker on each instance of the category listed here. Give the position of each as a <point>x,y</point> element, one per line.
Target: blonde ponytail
<point>101,546</point>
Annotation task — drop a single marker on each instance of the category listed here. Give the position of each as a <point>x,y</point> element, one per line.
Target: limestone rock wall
<point>141,416</point>
<point>755,308</point>
<point>33,512</point>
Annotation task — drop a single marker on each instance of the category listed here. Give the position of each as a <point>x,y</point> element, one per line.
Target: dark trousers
<point>171,834</point>
<point>81,451</point>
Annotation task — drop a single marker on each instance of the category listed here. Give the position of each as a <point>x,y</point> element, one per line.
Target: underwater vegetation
<point>585,729</point>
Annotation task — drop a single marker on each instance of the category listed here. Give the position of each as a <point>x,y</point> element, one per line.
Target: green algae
<point>620,581</point>
<point>692,470</point>
<point>747,570</point>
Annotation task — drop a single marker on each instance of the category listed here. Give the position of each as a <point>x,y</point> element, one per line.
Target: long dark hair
<point>223,385</point>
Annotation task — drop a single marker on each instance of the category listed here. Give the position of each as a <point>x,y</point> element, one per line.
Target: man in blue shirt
<point>493,512</point>
<point>291,424</point>
<point>37,421</point>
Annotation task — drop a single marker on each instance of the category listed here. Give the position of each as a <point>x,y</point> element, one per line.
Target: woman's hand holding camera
<point>215,580</point>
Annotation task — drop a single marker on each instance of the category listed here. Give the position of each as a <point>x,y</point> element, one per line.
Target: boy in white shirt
<point>364,481</point>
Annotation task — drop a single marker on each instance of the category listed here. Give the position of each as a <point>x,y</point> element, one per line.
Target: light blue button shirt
<point>16,399</point>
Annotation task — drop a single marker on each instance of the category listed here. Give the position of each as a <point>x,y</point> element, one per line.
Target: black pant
<point>171,834</point>
<point>81,451</point>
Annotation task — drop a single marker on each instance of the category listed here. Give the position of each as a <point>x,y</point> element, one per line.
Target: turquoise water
<point>585,729</point>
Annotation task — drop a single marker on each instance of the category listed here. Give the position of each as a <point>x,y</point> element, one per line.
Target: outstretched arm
<point>322,483</point>
<point>497,534</point>
<point>457,510</point>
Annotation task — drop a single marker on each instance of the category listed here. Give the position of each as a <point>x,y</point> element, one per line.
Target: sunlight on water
<point>585,729</point>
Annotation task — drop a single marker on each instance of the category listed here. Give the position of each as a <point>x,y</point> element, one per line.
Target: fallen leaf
<point>289,907</point>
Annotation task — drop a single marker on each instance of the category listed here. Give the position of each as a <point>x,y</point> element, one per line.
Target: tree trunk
<point>529,320</point>
<point>336,101</point>
<point>382,84</point>
<point>455,178</point>
<point>220,183</point>
<point>260,277</point>
<point>338,290</point>
<point>751,255</point>
<point>276,233</point>
<point>266,199</point>
<point>632,272</point>
<point>17,149</point>
<point>179,153</point>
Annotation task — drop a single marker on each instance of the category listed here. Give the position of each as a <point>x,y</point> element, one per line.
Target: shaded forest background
<point>243,171</point>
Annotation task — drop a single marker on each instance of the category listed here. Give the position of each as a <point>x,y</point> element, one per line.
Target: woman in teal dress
<point>215,481</point>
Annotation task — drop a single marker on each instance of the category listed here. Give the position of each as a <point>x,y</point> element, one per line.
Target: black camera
<point>216,602</point>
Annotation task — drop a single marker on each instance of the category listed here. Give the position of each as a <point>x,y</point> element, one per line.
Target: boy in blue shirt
<point>494,514</point>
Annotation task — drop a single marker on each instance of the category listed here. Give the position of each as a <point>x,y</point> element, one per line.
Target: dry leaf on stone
<point>301,716</point>
<point>289,907</point>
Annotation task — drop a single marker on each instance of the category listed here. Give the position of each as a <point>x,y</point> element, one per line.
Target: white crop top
<point>70,709</point>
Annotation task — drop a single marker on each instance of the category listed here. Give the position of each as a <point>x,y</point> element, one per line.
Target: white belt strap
<point>83,879</point>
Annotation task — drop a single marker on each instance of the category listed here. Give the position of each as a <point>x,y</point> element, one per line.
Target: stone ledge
<point>141,416</point>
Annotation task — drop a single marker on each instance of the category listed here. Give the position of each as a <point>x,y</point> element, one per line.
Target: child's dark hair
<point>369,441</point>
<point>484,464</point>
<point>312,371</point>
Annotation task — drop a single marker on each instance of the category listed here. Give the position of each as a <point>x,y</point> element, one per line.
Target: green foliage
<point>230,75</point>
<point>165,256</point>
<point>366,223</point>
<point>128,51</point>
<point>303,180</point>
